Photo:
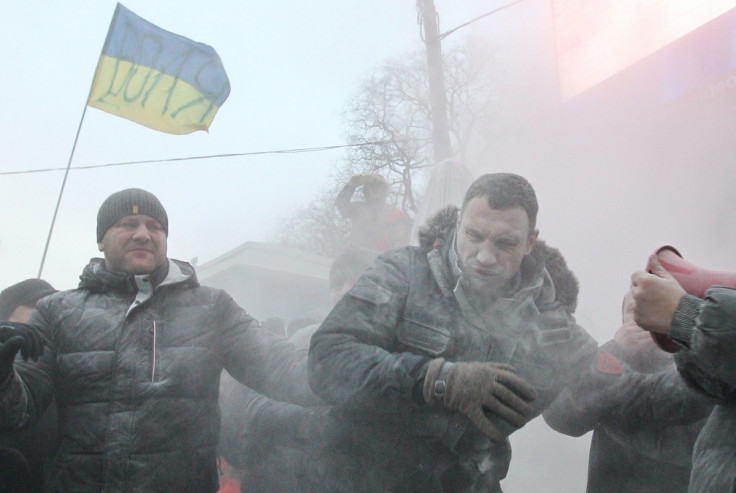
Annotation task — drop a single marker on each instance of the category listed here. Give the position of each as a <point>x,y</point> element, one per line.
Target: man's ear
<point>531,241</point>
<point>100,246</point>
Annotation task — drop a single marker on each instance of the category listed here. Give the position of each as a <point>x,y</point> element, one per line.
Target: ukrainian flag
<point>156,78</point>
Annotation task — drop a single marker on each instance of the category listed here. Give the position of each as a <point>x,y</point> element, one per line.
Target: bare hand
<point>656,296</point>
<point>357,180</point>
<point>632,338</point>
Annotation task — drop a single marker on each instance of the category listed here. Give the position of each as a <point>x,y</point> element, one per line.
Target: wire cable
<point>445,34</point>
<point>191,158</point>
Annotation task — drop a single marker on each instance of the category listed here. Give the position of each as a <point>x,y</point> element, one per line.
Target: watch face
<point>439,388</point>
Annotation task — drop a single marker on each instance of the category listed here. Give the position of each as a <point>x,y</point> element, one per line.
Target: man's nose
<point>486,255</point>
<point>141,233</point>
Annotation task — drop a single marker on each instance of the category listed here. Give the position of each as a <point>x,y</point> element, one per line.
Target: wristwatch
<point>440,385</point>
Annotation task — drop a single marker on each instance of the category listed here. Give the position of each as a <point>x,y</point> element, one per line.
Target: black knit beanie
<point>130,202</point>
<point>26,293</point>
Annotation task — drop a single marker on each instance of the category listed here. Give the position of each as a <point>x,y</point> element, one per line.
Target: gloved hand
<point>16,337</point>
<point>480,390</point>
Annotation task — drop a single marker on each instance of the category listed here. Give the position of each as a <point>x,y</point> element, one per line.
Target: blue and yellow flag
<point>156,78</point>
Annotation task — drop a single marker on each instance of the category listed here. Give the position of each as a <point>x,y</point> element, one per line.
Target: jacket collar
<point>97,279</point>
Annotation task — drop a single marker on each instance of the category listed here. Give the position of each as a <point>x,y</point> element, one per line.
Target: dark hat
<point>130,202</point>
<point>26,293</point>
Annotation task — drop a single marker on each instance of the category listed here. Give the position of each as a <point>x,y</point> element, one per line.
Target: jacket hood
<point>439,230</point>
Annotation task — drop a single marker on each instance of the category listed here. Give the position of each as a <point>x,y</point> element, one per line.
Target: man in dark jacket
<point>706,331</point>
<point>440,351</point>
<point>644,418</point>
<point>133,357</point>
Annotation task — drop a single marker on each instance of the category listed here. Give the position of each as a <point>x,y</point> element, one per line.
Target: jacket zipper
<point>153,353</point>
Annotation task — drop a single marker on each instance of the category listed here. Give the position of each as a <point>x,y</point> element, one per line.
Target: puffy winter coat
<point>707,330</point>
<point>135,372</point>
<point>371,352</point>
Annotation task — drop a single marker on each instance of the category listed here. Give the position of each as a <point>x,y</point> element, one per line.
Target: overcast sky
<point>292,67</point>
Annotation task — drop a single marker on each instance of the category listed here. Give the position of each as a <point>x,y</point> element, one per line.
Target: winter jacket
<point>37,445</point>
<point>135,373</point>
<point>707,331</point>
<point>370,354</point>
<point>644,426</point>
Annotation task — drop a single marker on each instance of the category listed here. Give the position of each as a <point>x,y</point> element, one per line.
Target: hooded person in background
<point>705,329</point>
<point>375,225</point>
<point>24,454</point>
<point>440,351</point>
<point>644,418</point>
<point>133,357</point>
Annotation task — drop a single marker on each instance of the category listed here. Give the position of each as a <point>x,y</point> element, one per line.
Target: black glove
<point>16,337</point>
<point>480,390</point>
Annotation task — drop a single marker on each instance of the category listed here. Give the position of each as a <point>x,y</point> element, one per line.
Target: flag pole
<point>61,192</point>
<point>74,147</point>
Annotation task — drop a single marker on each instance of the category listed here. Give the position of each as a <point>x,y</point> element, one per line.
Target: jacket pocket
<point>375,301</point>
<point>367,290</point>
<point>554,327</point>
<point>424,332</point>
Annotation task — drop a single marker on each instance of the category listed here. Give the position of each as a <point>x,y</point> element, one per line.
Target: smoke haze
<point>616,177</point>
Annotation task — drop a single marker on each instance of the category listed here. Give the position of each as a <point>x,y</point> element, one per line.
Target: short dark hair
<point>350,265</point>
<point>24,293</point>
<point>504,191</point>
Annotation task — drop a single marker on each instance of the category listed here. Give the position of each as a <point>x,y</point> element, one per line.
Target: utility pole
<point>428,18</point>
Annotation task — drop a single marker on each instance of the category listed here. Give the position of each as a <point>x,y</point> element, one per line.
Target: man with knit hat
<point>133,357</point>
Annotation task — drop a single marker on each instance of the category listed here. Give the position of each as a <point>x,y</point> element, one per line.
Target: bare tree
<point>388,121</point>
<point>317,227</point>
<point>392,109</point>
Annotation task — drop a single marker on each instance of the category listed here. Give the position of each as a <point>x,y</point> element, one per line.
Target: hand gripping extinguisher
<point>693,279</point>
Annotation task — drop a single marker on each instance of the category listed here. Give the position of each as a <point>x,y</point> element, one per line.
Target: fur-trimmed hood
<point>440,229</point>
